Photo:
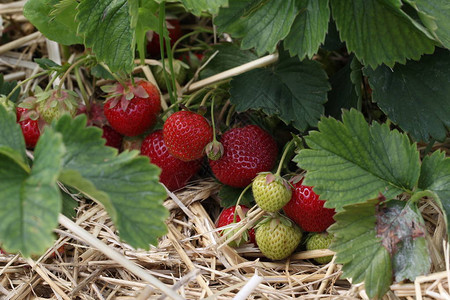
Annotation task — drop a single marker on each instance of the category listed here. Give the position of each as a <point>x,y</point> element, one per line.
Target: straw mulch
<point>192,258</point>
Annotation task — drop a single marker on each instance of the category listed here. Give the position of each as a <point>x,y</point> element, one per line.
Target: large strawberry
<point>30,126</point>
<point>277,237</point>
<point>320,240</point>
<point>307,210</point>
<point>186,135</point>
<point>247,151</point>
<point>227,217</point>
<point>132,110</point>
<point>271,192</point>
<point>174,172</point>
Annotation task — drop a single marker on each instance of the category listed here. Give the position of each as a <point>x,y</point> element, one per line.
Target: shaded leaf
<point>435,15</point>
<point>60,27</point>
<point>31,201</point>
<point>11,135</point>
<point>127,184</point>
<point>199,6</point>
<point>355,241</point>
<point>379,33</point>
<point>293,89</point>
<point>416,95</point>
<point>229,195</point>
<point>261,24</point>
<point>435,177</point>
<point>112,21</point>
<point>147,20</point>
<point>68,206</point>
<point>228,57</point>
<point>7,87</point>
<point>309,28</point>
<point>350,161</point>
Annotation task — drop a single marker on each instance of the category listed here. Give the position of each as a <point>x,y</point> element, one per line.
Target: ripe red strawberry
<point>174,28</point>
<point>306,209</point>
<point>186,135</point>
<point>134,111</point>
<point>112,137</point>
<point>174,172</point>
<point>29,126</point>
<point>226,217</point>
<point>247,151</point>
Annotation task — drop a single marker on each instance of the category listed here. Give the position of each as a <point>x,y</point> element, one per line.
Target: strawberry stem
<point>72,66</point>
<point>84,94</point>
<point>239,200</point>
<point>25,81</point>
<point>283,157</point>
<point>126,89</point>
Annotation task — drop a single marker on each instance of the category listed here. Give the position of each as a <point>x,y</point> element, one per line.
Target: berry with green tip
<point>320,240</point>
<point>277,237</point>
<point>30,127</point>
<point>271,192</point>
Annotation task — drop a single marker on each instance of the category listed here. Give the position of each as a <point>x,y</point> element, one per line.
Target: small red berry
<point>30,127</point>
<point>134,111</point>
<point>174,173</point>
<point>186,135</point>
<point>153,46</point>
<point>247,151</point>
<point>307,210</point>
<point>226,217</point>
<point>112,137</point>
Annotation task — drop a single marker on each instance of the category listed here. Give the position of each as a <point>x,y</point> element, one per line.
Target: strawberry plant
<point>363,85</point>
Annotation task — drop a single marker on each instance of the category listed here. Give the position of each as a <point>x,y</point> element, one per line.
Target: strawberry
<point>271,192</point>
<point>112,137</point>
<point>51,105</point>
<point>277,237</point>
<point>174,172</point>
<point>320,240</point>
<point>29,126</point>
<point>247,151</point>
<point>186,135</point>
<point>132,110</point>
<point>226,217</point>
<point>174,28</point>
<point>307,210</point>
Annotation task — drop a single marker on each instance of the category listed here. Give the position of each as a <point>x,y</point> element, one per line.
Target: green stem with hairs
<point>239,200</point>
<point>117,78</point>
<point>82,89</point>
<point>163,40</point>
<point>25,81</point>
<point>72,66</point>
<point>283,157</point>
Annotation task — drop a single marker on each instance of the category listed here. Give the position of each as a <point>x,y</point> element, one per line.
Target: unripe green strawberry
<point>271,192</point>
<point>53,104</point>
<point>320,240</point>
<point>277,237</point>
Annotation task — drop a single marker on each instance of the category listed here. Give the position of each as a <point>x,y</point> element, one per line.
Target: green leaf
<point>293,89</point>
<point>61,26</point>
<point>360,250</point>
<point>435,15</point>
<point>147,20</point>
<point>199,6</point>
<point>404,94</point>
<point>7,87</point>
<point>127,184</point>
<point>378,32</point>
<point>309,28</point>
<point>435,177</point>
<point>402,230</point>
<point>229,195</point>
<point>107,28</point>
<point>31,201</point>
<point>11,135</point>
<point>350,161</point>
<point>47,64</point>
<point>342,94</point>
<point>228,57</point>
<point>261,24</point>
<point>68,206</point>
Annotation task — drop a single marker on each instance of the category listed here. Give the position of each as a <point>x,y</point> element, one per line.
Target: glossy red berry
<point>30,128</point>
<point>186,135</point>
<point>174,173</point>
<point>307,210</point>
<point>226,217</point>
<point>134,111</point>
<point>247,151</point>
<point>112,137</point>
